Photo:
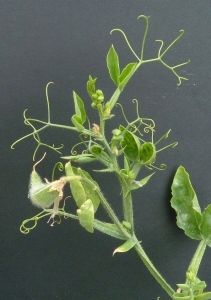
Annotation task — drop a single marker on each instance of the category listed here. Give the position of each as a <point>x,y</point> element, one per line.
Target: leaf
<point>126,74</point>
<point>90,192</point>
<point>185,202</point>
<point>138,184</point>
<point>126,164</point>
<point>96,149</point>
<point>110,229</point>
<point>113,65</point>
<point>79,108</point>
<point>86,215</point>
<point>76,186</point>
<point>77,122</point>
<point>206,225</point>
<point>130,243</point>
<point>81,158</point>
<point>108,170</point>
<point>91,85</point>
<point>147,153</point>
<point>130,144</point>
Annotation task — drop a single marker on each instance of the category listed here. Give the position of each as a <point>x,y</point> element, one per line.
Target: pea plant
<point>132,146</point>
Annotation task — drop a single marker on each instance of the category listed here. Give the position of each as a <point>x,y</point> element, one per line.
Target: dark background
<point>64,42</point>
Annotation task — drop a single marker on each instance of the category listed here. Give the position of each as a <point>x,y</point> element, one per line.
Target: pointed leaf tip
<point>125,247</point>
<point>113,65</point>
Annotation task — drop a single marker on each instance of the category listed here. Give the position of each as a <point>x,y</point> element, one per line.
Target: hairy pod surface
<point>41,194</point>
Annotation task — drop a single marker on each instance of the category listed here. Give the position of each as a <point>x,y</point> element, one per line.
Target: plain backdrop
<point>64,42</point>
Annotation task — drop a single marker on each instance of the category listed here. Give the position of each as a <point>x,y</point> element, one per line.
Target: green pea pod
<point>86,215</point>
<point>76,186</point>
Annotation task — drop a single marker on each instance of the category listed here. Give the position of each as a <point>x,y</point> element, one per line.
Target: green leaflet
<point>96,149</point>
<point>90,192</point>
<point>138,184</point>
<point>81,158</point>
<point>91,85</point>
<point>130,243</point>
<point>113,65</point>
<point>86,215</point>
<point>79,108</point>
<point>77,122</point>
<point>147,153</point>
<point>76,186</point>
<point>130,144</point>
<point>206,225</point>
<point>110,229</point>
<point>185,202</point>
<point>126,74</point>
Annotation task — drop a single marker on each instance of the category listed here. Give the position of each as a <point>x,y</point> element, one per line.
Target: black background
<point>64,42</point>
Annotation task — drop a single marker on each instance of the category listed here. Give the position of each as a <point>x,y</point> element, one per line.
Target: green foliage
<point>113,65</point>
<point>196,225</point>
<point>130,147</point>
<point>86,215</point>
<point>129,244</point>
<point>130,144</point>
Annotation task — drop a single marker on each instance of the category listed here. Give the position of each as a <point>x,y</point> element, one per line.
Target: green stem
<point>107,207</point>
<point>153,270</point>
<point>197,258</point>
<point>127,203</point>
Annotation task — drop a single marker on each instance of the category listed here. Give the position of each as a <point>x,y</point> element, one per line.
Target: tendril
<point>174,41</point>
<point>48,103</point>
<point>25,230</point>
<point>165,136</point>
<point>126,39</point>
<point>135,101</point>
<point>164,52</point>
<point>145,34</point>
<point>60,167</point>
<point>173,145</point>
<point>162,167</point>
<point>85,151</point>
<point>123,113</point>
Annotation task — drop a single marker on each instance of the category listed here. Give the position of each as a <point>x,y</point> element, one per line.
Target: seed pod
<point>86,215</point>
<point>43,195</point>
<point>75,186</point>
<point>39,192</point>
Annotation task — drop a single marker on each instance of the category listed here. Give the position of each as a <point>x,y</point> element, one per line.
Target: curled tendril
<point>162,167</point>
<point>73,151</point>
<point>85,151</point>
<point>60,167</point>
<point>151,126</point>
<point>35,132</point>
<point>37,138</point>
<point>25,230</point>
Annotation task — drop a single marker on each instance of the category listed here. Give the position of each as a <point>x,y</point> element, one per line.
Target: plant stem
<point>127,203</point>
<point>197,258</point>
<point>153,270</point>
